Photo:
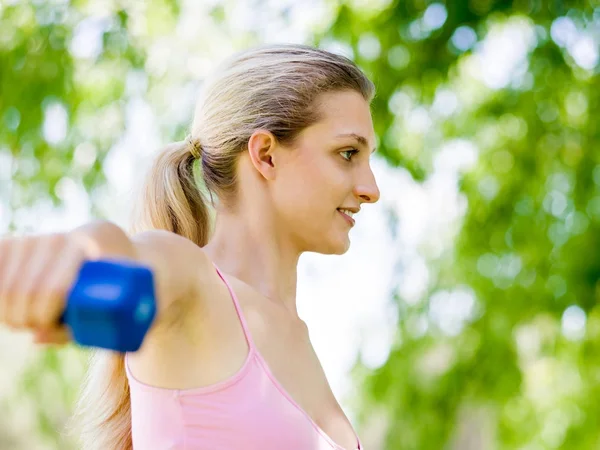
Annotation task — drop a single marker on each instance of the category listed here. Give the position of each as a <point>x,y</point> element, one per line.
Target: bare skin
<point>288,205</point>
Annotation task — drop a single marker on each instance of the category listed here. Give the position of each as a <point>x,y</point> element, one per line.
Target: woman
<point>281,140</point>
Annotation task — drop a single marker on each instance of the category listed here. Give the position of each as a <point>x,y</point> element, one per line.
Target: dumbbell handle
<point>111,305</point>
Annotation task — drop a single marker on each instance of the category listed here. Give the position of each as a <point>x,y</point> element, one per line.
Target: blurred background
<point>465,314</point>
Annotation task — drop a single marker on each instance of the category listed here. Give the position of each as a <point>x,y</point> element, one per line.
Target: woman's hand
<point>37,272</point>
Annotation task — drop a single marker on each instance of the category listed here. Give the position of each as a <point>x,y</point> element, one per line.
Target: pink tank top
<point>249,411</point>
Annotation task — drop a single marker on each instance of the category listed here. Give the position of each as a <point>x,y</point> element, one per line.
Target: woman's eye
<point>348,154</point>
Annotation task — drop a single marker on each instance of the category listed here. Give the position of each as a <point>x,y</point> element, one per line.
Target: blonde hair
<point>269,87</point>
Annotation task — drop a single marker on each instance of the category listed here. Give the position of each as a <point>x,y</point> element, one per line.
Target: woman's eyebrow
<point>360,139</point>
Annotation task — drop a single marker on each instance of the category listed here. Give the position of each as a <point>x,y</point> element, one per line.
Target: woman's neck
<point>254,254</point>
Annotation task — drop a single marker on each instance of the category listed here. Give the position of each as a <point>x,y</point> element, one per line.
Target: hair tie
<point>195,147</point>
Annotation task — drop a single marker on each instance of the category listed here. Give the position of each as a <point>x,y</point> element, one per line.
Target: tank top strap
<point>238,308</point>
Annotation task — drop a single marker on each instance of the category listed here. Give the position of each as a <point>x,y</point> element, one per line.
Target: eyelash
<point>352,152</point>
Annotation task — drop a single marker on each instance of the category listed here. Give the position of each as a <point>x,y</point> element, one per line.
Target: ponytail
<point>170,200</point>
<point>102,417</point>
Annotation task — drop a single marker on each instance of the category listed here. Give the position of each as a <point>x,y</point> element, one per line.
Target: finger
<point>11,290</point>
<point>60,335</point>
<point>51,303</point>
<point>4,259</point>
<point>35,270</point>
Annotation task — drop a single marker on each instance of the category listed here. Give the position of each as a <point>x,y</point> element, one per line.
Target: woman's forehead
<point>345,115</point>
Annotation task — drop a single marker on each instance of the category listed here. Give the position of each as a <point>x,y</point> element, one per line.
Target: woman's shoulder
<point>202,345</point>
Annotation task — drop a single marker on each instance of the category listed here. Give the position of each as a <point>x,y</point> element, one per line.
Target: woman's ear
<point>261,148</point>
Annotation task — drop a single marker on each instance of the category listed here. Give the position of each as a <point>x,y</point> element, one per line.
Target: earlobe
<point>261,147</point>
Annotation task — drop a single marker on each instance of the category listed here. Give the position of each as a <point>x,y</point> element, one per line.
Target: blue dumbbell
<point>111,305</point>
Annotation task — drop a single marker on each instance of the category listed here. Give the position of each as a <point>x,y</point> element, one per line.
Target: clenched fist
<point>37,272</point>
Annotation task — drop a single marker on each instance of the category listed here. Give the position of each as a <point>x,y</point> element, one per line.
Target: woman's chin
<point>335,247</point>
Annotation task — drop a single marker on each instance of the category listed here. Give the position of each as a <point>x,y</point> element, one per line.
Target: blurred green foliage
<point>522,364</point>
<point>515,362</point>
<point>40,79</point>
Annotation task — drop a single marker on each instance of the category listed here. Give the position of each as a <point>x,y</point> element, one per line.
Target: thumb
<point>60,335</point>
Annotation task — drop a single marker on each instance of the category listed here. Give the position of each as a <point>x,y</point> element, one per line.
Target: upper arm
<point>183,276</point>
<point>180,269</point>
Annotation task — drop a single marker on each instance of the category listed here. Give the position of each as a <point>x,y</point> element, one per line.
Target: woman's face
<point>327,170</point>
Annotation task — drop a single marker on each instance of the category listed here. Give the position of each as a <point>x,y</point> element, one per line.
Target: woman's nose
<point>367,190</point>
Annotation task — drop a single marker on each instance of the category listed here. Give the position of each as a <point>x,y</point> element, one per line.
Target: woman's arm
<point>179,266</point>
<point>183,277</point>
<point>181,272</point>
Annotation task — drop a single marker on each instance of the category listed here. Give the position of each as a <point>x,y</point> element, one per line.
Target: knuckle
<point>15,320</point>
<point>52,306</point>
<point>49,310</point>
<point>43,318</point>
<point>17,311</point>
<point>27,321</point>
